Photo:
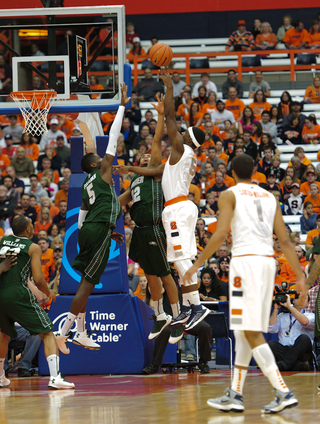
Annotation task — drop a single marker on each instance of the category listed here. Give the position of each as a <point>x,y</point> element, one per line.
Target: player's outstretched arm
<point>226,206</point>
<point>290,254</point>
<point>125,197</point>
<point>149,172</point>
<point>314,273</point>
<point>170,114</point>
<point>156,154</point>
<point>106,165</point>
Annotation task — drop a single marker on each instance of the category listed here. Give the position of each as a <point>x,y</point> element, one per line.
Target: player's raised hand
<point>124,99</point>
<point>165,76</point>
<point>119,238</point>
<point>187,276</point>
<point>120,169</point>
<point>160,106</point>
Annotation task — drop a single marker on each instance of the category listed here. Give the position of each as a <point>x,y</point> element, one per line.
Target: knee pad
<point>242,348</point>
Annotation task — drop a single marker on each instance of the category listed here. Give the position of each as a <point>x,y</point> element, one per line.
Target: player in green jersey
<point>99,212</point>
<point>19,304</point>
<point>148,244</point>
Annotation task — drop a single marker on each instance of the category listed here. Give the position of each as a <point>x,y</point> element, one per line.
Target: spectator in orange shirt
<point>312,234</point>
<point>184,108</point>
<point>46,164</point>
<point>296,37</point>
<point>94,85</point>
<point>224,269</point>
<point>47,260</point>
<point>259,104</point>
<point>228,181</point>
<point>4,162</point>
<point>63,193</point>
<point>219,153</point>
<point>311,131</point>
<point>257,177</point>
<point>45,202</point>
<point>194,117</point>
<point>287,274</point>
<point>312,94</point>
<point>194,190</point>
<point>278,254</point>
<point>166,153</point>
<point>103,33</point>
<point>267,40</point>
<point>141,291</point>
<point>31,148</point>
<point>107,119</point>
<point>44,221</point>
<point>209,170</point>
<point>299,153</point>
<point>314,35</point>
<point>200,157</point>
<point>314,198</point>
<point>136,50</point>
<point>202,98</point>
<point>209,126</point>
<point>311,179</point>
<point>235,105</point>
<point>210,106</point>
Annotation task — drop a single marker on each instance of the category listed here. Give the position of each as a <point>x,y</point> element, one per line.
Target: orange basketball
<point>160,54</point>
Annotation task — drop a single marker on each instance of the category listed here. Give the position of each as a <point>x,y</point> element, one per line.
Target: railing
<point>6,36</point>
<point>292,67</point>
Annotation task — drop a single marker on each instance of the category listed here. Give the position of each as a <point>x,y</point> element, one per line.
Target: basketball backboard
<point>39,37</point>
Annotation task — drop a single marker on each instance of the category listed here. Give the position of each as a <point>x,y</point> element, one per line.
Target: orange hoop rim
<point>37,94</point>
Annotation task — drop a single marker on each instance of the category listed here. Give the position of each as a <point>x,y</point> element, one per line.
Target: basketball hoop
<point>34,106</point>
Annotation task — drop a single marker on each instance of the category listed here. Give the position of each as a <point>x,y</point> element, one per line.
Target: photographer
<point>295,326</point>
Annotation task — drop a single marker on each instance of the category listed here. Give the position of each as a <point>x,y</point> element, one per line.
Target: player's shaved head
<point>242,165</point>
<point>87,161</point>
<point>19,224</point>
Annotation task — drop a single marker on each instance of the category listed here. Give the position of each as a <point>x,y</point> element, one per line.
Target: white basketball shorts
<point>251,285</point>
<point>179,221</point>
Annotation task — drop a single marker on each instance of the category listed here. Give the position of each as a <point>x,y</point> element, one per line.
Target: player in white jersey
<point>253,214</point>
<point>179,216</point>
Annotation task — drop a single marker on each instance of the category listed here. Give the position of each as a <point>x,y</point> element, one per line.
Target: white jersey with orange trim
<point>252,222</point>
<point>177,178</point>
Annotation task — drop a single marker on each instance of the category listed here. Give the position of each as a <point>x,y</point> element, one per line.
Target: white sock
<point>1,365</point>
<point>185,299</point>
<point>264,358</point>
<point>239,377</point>
<point>53,362</point>
<point>80,322</point>
<point>68,324</point>
<point>158,307</point>
<point>194,298</point>
<point>175,307</point>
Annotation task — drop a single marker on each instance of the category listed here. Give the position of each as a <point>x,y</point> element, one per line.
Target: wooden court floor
<point>157,399</point>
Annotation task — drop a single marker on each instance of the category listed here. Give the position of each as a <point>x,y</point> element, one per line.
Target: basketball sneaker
<point>62,342</point>
<point>4,381</point>
<point>231,401</point>
<point>199,312</point>
<point>85,340</point>
<point>159,325</point>
<point>59,382</point>
<point>182,318</point>
<point>176,335</point>
<point>281,402</point>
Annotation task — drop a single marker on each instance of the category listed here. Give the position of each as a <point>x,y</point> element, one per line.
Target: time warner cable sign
<point>118,323</point>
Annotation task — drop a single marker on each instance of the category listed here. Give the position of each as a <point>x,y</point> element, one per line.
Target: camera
<point>281,295</point>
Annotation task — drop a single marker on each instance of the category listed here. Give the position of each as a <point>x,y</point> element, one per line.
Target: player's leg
<point>233,400</point>
<point>161,318</point>
<point>4,340</point>
<point>172,292</point>
<point>51,352</point>
<point>192,312</point>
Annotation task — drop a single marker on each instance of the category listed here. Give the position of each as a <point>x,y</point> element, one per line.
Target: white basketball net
<point>34,107</point>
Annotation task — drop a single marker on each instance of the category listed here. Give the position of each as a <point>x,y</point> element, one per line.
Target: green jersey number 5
<point>91,194</point>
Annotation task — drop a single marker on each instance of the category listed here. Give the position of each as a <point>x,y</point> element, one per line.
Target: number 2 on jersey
<point>136,194</point>
<point>91,194</point>
<point>259,209</point>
